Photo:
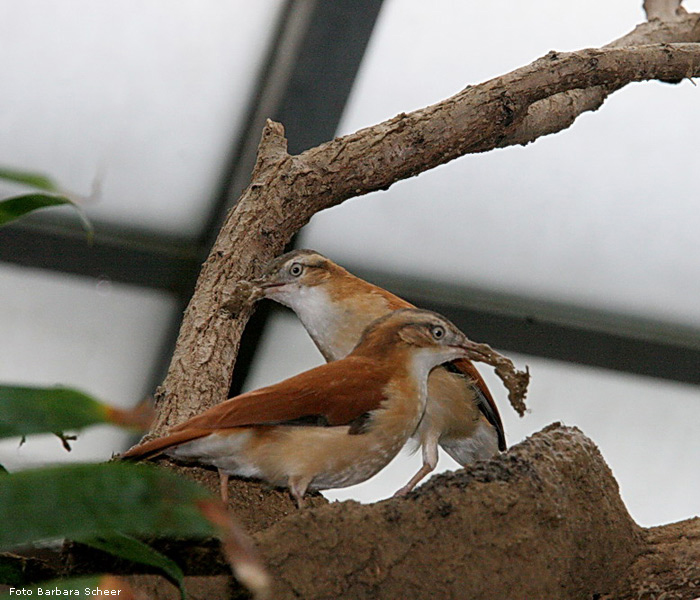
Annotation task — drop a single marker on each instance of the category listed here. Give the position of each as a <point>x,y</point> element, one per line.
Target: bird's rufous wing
<point>336,393</point>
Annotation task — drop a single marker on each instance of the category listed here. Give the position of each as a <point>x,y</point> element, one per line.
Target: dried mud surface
<point>669,568</point>
<point>256,505</point>
<point>543,520</point>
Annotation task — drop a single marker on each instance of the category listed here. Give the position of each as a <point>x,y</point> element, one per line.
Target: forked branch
<point>286,191</point>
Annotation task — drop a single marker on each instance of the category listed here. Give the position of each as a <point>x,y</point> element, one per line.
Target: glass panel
<point>602,215</point>
<point>100,337</point>
<point>145,97</point>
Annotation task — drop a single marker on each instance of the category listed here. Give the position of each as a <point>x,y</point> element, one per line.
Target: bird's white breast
<point>320,317</point>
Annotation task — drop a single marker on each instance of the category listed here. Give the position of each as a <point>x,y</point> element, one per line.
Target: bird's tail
<point>155,447</point>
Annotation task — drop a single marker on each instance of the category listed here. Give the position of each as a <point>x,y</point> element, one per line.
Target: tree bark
<point>559,111</point>
<point>664,10</point>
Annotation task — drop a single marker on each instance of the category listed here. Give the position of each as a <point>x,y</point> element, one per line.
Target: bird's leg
<point>297,487</point>
<point>223,483</point>
<point>430,460</point>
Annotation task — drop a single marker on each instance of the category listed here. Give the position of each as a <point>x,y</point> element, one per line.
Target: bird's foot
<point>403,491</point>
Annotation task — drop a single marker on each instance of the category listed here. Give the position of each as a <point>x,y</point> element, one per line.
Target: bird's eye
<point>438,332</point>
<point>296,269</point>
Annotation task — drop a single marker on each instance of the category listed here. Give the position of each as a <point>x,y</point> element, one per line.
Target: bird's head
<point>290,275</point>
<point>429,336</point>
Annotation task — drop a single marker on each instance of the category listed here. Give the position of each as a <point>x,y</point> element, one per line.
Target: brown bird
<point>333,426</point>
<point>335,307</point>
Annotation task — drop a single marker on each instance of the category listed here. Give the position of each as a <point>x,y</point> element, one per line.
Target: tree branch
<point>286,191</point>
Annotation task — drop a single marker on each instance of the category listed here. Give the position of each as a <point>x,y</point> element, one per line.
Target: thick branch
<point>477,119</point>
<point>287,190</point>
<point>202,365</point>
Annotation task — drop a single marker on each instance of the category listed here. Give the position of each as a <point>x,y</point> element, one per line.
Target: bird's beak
<point>469,349</point>
<point>463,344</point>
<point>264,284</point>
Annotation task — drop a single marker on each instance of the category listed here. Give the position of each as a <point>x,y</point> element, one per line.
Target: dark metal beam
<point>508,322</point>
<point>308,96</point>
<point>272,82</point>
<point>304,84</point>
<point>325,71</point>
<point>146,260</point>
<point>593,348</point>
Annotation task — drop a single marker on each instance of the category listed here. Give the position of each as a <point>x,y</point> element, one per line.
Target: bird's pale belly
<point>356,472</point>
<point>331,458</point>
<point>327,456</point>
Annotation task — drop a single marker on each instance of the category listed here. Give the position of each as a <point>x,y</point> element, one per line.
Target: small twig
<point>244,294</point>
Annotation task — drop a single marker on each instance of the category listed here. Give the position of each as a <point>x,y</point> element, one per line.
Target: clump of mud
<point>543,520</point>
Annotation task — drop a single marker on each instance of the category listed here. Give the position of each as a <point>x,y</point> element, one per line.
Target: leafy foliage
<point>18,206</point>
<point>86,501</point>
<point>26,410</point>
<point>135,550</point>
<point>13,208</point>
<point>35,180</point>
<point>105,505</point>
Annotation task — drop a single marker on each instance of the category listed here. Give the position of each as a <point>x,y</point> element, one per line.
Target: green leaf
<point>87,501</point>
<point>135,550</point>
<point>36,180</point>
<point>18,206</point>
<point>26,410</point>
<point>75,588</point>
<point>3,470</point>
